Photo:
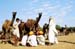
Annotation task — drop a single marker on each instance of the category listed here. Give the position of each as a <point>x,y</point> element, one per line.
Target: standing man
<point>16,31</point>
<point>52,35</point>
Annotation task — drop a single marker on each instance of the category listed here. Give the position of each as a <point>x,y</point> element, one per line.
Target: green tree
<point>58,27</point>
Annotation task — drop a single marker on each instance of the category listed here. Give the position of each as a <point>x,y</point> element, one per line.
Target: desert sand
<point>65,42</point>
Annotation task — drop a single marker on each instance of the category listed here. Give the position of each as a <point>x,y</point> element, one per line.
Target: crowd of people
<point>33,40</point>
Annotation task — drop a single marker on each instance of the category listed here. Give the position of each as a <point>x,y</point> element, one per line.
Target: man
<point>32,39</point>
<point>40,37</point>
<point>24,40</point>
<point>16,34</point>
<point>52,35</point>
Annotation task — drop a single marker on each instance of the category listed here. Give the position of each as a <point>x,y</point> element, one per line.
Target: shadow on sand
<point>68,42</point>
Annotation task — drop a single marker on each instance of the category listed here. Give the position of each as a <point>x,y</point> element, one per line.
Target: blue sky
<point>62,10</point>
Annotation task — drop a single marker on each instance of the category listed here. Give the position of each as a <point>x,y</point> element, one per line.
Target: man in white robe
<point>16,34</point>
<point>16,28</point>
<point>40,38</point>
<point>32,39</point>
<point>52,35</point>
<point>24,40</point>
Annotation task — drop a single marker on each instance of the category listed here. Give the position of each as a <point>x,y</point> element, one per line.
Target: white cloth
<point>16,30</point>
<point>24,40</point>
<point>52,32</point>
<point>32,40</point>
<point>41,39</point>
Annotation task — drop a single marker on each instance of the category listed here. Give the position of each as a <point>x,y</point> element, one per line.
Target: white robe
<point>16,30</point>
<point>41,39</point>
<point>52,32</point>
<point>32,40</point>
<point>24,40</point>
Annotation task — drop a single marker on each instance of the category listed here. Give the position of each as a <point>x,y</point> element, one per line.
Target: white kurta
<point>16,30</point>
<point>52,32</point>
<point>24,40</point>
<point>32,40</point>
<point>41,39</point>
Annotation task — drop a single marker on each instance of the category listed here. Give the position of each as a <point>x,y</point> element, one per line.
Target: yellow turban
<point>31,33</point>
<point>40,32</point>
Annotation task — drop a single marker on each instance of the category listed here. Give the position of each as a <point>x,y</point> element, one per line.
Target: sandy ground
<point>65,42</point>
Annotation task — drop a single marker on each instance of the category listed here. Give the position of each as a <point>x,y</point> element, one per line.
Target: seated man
<point>32,39</point>
<point>24,40</point>
<point>40,37</point>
